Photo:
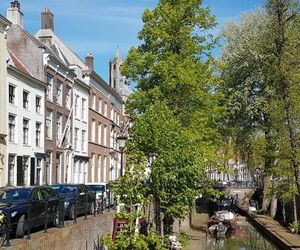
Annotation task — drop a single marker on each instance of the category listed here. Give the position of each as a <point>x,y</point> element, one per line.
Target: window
<point>112,113</point>
<point>38,104</point>
<point>25,170</point>
<point>25,99</point>
<point>100,106</point>
<point>38,134</point>
<point>49,124</point>
<point>38,171</point>
<point>99,133</point>
<point>118,120</point>
<point>11,169</point>
<point>11,128</point>
<point>105,109</point>
<point>58,168</point>
<point>105,136</point>
<point>94,101</point>
<point>25,131</point>
<point>49,92</point>
<point>76,138</point>
<point>76,106</point>
<point>12,94</point>
<point>104,168</point>
<point>93,167</point>
<point>99,168</point>
<point>59,92</point>
<point>83,148</point>
<point>47,170</point>
<point>58,127</point>
<point>68,97</point>
<point>83,109</point>
<point>93,130</point>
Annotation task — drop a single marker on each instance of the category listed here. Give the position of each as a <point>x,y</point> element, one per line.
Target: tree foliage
<point>261,74</point>
<point>175,109</point>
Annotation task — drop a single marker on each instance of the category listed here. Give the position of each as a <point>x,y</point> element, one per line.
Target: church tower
<point>116,80</point>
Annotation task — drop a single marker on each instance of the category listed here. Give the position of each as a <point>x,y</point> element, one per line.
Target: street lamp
<point>121,140</point>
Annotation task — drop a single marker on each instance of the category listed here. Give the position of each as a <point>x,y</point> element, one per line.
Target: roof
<point>18,64</point>
<point>4,21</point>
<point>29,50</point>
<point>61,48</point>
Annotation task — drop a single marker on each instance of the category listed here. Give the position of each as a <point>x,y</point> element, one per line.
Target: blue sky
<point>101,26</point>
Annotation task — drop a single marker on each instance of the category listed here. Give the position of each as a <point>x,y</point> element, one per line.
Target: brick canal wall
<point>80,236</point>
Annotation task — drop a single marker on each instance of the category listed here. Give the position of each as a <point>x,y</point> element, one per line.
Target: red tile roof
<point>17,63</point>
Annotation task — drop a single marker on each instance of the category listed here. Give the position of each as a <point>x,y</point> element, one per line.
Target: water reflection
<point>245,237</point>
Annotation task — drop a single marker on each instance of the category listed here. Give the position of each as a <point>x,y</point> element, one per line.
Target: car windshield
<point>97,188</point>
<point>14,195</point>
<point>64,189</point>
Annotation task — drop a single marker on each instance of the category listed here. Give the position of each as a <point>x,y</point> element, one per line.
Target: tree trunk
<point>295,209</point>
<point>157,216</point>
<point>267,189</point>
<point>168,224</point>
<point>283,212</point>
<point>274,206</point>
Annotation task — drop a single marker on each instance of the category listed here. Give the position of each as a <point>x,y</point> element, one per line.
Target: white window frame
<point>76,139</point>
<point>26,131</point>
<point>12,96</point>
<point>49,87</point>
<point>12,128</point>
<point>38,133</point>
<point>83,140</point>
<point>49,124</point>
<point>59,92</point>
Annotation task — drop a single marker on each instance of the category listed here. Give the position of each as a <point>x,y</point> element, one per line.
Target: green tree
<point>175,110</point>
<point>261,57</point>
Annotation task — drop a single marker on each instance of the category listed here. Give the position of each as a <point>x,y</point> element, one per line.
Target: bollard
<point>75,207</point>
<point>86,205</point>
<point>61,213</point>
<point>46,216</point>
<point>102,202</point>
<point>108,200</point>
<point>7,238</point>
<point>29,220</point>
<point>95,196</point>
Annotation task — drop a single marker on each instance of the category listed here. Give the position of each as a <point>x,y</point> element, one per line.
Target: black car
<point>76,195</point>
<point>16,201</point>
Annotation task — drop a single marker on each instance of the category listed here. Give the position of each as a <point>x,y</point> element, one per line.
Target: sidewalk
<point>275,231</point>
<point>197,232</point>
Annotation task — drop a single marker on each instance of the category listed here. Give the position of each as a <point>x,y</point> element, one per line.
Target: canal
<point>245,237</point>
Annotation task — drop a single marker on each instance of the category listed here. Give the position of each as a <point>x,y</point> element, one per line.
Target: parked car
<point>102,188</point>
<point>15,200</point>
<point>71,192</point>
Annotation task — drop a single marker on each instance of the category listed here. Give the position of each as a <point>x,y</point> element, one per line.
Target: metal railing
<point>55,217</point>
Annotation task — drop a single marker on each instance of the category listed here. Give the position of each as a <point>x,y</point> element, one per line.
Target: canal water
<point>245,237</point>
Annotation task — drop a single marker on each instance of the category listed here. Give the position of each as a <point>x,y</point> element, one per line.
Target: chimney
<point>14,14</point>
<point>47,20</point>
<point>89,61</point>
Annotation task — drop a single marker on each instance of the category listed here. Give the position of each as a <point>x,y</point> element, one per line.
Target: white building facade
<point>26,119</point>
<point>4,25</point>
<point>78,172</point>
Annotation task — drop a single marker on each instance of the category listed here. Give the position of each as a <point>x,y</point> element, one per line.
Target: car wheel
<point>21,227</point>
<point>56,219</point>
<point>2,234</point>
